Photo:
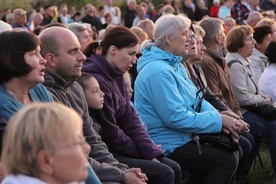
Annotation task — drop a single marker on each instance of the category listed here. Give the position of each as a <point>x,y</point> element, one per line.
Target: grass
<point>262,174</point>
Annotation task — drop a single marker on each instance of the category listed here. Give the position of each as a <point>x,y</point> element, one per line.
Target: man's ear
<point>50,58</point>
<point>44,162</point>
<point>218,38</point>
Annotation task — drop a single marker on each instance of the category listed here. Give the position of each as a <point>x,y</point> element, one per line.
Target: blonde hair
<point>140,33</point>
<point>36,127</point>
<point>265,22</point>
<point>199,31</point>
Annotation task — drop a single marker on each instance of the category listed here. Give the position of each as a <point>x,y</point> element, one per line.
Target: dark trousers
<point>247,155</point>
<point>256,123</point>
<point>213,166</point>
<point>166,171</point>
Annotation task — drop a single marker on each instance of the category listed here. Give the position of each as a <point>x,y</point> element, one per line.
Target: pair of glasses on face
<point>192,37</point>
<point>80,142</point>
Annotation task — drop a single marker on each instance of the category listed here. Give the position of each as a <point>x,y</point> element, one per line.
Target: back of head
<point>119,36</point>
<point>212,27</point>
<point>261,32</point>
<point>166,24</point>
<point>236,37</point>
<point>148,26</point>
<point>143,23</point>
<point>4,26</point>
<point>37,127</point>
<point>14,45</point>
<point>168,9</point>
<point>77,28</point>
<point>199,31</point>
<point>254,17</point>
<point>76,15</point>
<point>130,1</point>
<point>142,35</point>
<point>270,52</point>
<point>227,20</point>
<point>266,22</point>
<point>51,37</point>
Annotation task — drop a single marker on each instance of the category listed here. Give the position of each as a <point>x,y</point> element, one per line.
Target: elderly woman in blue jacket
<point>167,100</point>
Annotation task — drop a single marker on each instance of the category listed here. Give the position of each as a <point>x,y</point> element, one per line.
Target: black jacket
<point>129,16</point>
<point>201,83</point>
<point>93,20</point>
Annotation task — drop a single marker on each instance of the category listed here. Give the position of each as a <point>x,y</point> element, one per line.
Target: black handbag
<point>221,140</point>
<point>266,110</point>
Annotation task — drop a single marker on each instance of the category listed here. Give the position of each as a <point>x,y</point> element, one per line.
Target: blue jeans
<point>256,123</point>
<point>166,171</point>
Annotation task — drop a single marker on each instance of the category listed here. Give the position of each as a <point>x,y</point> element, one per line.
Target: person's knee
<point>232,161</point>
<point>271,131</point>
<point>167,173</point>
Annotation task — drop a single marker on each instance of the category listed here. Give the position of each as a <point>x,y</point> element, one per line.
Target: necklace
<point>26,98</point>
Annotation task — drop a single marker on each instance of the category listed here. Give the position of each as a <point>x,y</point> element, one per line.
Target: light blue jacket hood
<point>156,54</point>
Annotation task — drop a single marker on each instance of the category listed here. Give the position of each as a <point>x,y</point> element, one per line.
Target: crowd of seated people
<point>179,61</point>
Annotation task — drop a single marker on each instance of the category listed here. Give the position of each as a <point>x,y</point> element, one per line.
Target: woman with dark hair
<point>21,70</point>
<point>262,35</point>
<point>268,78</point>
<point>122,130</point>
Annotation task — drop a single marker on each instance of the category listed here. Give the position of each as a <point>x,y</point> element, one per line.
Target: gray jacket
<point>107,168</point>
<point>259,62</point>
<point>243,80</point>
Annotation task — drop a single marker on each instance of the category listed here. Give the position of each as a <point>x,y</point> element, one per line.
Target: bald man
<point>62,51</point>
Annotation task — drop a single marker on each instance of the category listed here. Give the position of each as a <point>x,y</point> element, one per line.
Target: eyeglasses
<point>81,142</point>
<point>192,37</point>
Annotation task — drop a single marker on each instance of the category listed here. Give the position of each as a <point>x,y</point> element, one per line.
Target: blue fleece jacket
<point>9,105</point>
<point>164,98</point>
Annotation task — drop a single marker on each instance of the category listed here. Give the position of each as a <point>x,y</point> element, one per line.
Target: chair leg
<point>255,161</point>
<point>260,159</point>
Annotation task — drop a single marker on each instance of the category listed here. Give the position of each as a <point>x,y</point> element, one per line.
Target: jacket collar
<point>54,81</point>
<point>212,53</point>
<point>98,64</point>
<point>236,56</point>
<point>259,54</point>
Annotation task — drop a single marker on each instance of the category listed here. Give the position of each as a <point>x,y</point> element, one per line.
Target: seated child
<point>94,96</point>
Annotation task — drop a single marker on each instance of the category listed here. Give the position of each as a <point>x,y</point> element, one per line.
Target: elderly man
<point>148,26</point>
<point>91,18</point>
<point>20,19</point>
<point>130,13</point>
<point>81,31</point>
<point>214,66</point>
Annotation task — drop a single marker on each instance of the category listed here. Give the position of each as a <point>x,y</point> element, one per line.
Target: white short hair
<point>4,26</point>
